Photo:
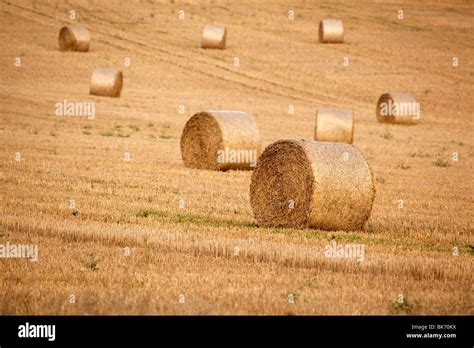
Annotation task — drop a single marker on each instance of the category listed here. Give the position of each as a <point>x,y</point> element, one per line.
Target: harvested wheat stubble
<point>221,140</point>
<point>336,125</point>
<point>331,31</point>
<point>399,108</point>
<point>73,37</point>
<point>302,183</point>
<point>106,82</point>
<point>213,36</point>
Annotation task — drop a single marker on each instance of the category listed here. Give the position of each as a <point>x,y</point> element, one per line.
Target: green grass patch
<point>420,154</point>
<point>468,249</point>
<point>165,136</point>
<point>415,28</point>
<point>403,166</point>
<point>387,135</point>
<point>107,134</point>
<point>441,163</point>
<point>404,305</point>
<point>191,218</point>
<point>147,213</point>
<point>368,237</point>
<point>114,134</point>
<point>399,23</point>
<point>93,265</point>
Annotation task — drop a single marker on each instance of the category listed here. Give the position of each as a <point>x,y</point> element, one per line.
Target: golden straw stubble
<point>74,37</point>
<point>398,108</point>
<point>331,31</point>
<point>106,82</point>
<point>336,125</point>
<point>214,36</point>
<point>221,140</point>
<point>303,183</point>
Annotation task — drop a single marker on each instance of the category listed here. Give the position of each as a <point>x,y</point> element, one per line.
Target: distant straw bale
<point>331,31</point>
<point>335,125</point>
<point>74,37</point>
<point>214,36</point>
<point>106,82</point>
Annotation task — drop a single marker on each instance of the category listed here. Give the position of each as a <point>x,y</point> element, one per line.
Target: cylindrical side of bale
<point>221,140</point>
<point>214,36</point>
<point>398,108</point>
<point>106,82</point>
<point>73,37</point>
<point>336,125</point>
<point>302,183</point>
<point>331,31</point>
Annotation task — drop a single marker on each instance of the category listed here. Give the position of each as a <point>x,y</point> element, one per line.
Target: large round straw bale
<point>213,36</point>
<point>106,82</point>
<point>73,37</point>
<point>331,31</point>
<point>221,140</point>
<point>336,125</point>
<point>302,183</point>
<point>400,108</point>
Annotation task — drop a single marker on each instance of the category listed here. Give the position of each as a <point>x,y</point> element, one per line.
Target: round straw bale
<point>213,36</point>
<point>400,108</point>
<point>221,140</point>
<point>302,183</point>
<point>336,125</point>
<point>331,31</point>
<point>106,82</point>
<point>73,37</point>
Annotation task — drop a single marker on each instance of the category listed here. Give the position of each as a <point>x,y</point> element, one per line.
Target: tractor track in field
<point>300,95</point>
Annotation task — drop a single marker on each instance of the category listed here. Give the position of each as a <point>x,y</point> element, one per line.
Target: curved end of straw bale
<point>214,36</point>
<point>282,185</point>
<point>334,125</point>
<point>106,82</point>
<point>321,31</point>
<point>73,37</point>
<point>398,108</point>
<point>200,141</point>
<point>331,31</point>
<point>220,140</point>
<point>324,185</point>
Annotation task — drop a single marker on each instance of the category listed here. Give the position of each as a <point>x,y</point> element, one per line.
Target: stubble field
<point>149,236</point>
